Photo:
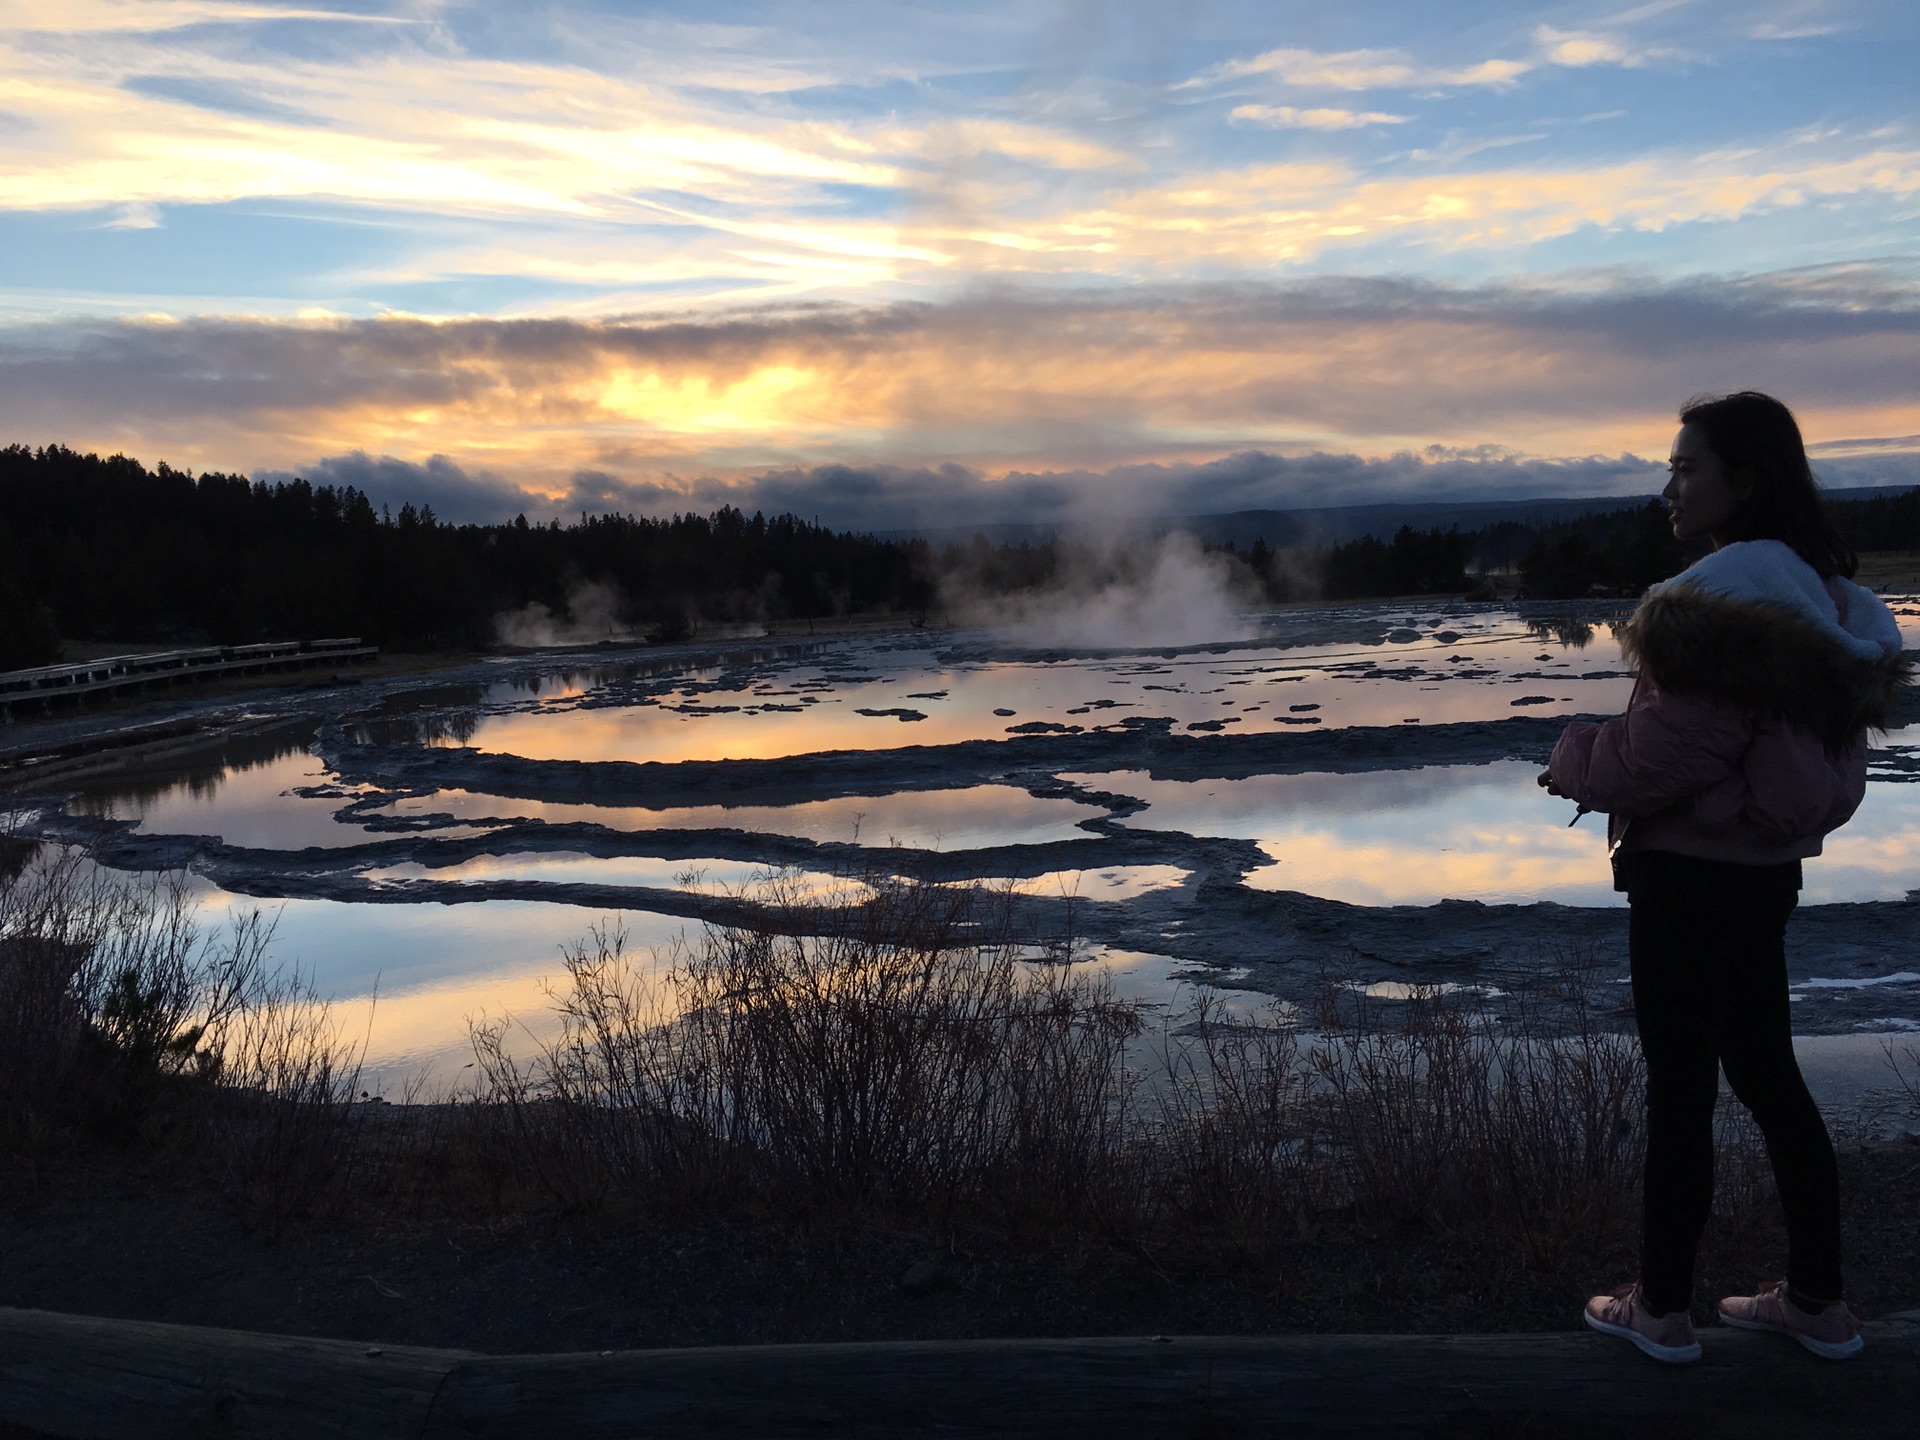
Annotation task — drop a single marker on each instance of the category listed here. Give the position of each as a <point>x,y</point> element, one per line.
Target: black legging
<point>1710,991</point>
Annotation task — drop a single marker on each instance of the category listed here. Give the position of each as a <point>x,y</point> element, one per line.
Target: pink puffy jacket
<point>1745,739</point>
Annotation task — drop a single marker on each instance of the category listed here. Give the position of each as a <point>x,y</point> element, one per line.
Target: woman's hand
<point>1545,781</point>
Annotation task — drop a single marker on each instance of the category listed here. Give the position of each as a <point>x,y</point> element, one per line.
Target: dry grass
<point>897,1061</point>
<point>907,1058</point>
<point>910,1064</point>
<point>125,1022</point>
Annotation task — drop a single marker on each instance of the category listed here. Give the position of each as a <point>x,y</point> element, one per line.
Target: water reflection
<point>408,978</point>
<point>711,876</point>
<point>1570,632</point>
<point>1472,832</point>
<point>198,772</point>
<point>1116,882</point>
<point>1163,983</point>
<point>1403,837</point>
<point>874,695</point>
<point>569,867</point>
<point>970,818</point>
<point>251,800</point>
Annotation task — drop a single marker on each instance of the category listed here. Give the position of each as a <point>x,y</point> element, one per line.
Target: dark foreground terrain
<point>523,1278</point>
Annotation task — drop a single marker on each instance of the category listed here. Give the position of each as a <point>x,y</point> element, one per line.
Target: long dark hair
<point>1758,441</point>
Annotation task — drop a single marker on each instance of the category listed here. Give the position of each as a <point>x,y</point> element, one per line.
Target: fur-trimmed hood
<point>1754,624</point>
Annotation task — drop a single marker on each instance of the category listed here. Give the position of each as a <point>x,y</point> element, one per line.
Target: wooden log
<point>92,1379</point>
<point>67,1376</point>
<point>1567,1385</point>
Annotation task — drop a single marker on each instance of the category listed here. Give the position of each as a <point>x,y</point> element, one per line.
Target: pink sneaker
<point>1665,1337</point>
<point>1833,1334</point>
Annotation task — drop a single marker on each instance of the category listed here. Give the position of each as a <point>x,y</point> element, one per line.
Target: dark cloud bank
<point>895,498</point>
<point>1383,357</point>
<point>951,499</point>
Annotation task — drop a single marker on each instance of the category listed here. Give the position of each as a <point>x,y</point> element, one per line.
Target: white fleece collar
<point>1770,572</point>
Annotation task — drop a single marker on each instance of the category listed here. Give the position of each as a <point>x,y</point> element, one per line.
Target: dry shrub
<point>1232,1145</point>
<point>112,999</point>
<point>1523,1131</point>
<point>895,1055</point>
<point>283,1127</point>
<point>1903,1064</point>
<point>906,1058</point>
<point>904,1055</point>
<point>1526,1129</point>
<point>124,1020</point>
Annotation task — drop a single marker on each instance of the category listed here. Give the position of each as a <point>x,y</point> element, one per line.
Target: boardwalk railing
<point>51,683</point>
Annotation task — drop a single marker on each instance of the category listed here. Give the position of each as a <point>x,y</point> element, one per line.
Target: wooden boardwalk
<point>75,1376</point>
<point>46,685</point>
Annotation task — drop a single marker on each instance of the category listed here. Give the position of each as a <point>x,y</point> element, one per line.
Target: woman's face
<point>1700,498</point>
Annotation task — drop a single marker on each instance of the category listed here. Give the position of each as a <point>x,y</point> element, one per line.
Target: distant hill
<point>1338,524</point>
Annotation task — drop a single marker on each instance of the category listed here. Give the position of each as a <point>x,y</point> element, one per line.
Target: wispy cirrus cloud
<point>1355,70</point>
<point>610,182</point>
<point>1313,118</point>
<point>97,17</point>
<point>1609,43</point>
<point>586,163</point>
<point>1295,212</point>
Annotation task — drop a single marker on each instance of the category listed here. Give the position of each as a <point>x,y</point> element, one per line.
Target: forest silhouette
<point>103,549</point>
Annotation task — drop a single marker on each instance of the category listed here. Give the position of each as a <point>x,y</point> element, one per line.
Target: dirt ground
<point>118,1243</point>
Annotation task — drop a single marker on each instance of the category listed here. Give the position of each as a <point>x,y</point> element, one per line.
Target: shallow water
<point>1473,832</point>
<point>406,980</point>
<point>1117,882</point>
<point>1410,836</point>
<point>1331,667</point>
<point>255,805</point>
<point>889,693</point>
<point>970,818</point>
<point>562,867</point>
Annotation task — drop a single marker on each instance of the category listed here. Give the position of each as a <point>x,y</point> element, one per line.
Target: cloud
<point>945,140</point>
<point>1262,215</point>
<point>892,498</point>
<point>1768,30</point>
<point>1250,218</point>
<point>1394,69</point>
<point>1356,70</point>
<point>96,17</point>
<point>613,161</point>
<point>455,493</point>
<point>952,498</point>
<point>136,215</point>
<point>1286,117</point>
<point>900,409</point>
<point>1579,48</point>
<point>171,121</point>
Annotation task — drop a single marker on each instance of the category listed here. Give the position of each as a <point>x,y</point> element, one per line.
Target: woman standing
<point>1761,669</point>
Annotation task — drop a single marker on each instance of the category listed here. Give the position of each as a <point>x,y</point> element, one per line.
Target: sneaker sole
<point>1667,1354</point>
<point>1825,1349</point>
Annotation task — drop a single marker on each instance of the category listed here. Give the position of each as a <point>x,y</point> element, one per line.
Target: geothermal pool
<point>1349,787</point>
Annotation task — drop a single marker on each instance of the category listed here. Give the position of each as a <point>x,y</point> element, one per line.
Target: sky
<point>896,265</point>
